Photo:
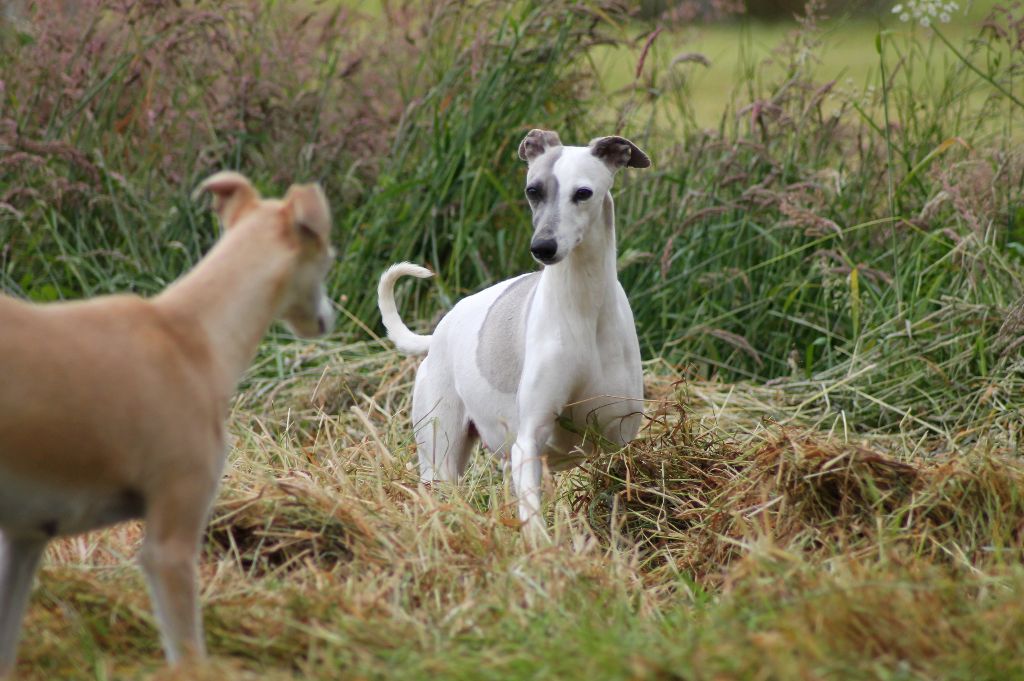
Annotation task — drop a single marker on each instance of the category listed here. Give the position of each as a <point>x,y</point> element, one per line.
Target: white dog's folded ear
<point>536,143</point>
<point>310,211</point>
<point>619,152</point>
<point>233,195</point>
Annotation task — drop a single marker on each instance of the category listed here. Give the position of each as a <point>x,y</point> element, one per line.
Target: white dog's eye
<point>582,194</point>
<point>533,192</point>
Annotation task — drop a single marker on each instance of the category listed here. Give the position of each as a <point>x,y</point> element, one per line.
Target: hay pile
<point>697,501</point>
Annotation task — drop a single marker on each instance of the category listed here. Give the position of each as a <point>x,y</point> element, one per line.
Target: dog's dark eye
<point>534,193</point>
<point>582,194</point>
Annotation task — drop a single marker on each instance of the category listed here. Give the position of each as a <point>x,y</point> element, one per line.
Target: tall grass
<point>863,243</point>
<point>864,239</point>
<point>774,249</point>
<point>109,117</point>
<point>449,190</point>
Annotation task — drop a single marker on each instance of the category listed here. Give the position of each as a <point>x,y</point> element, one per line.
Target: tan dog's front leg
<point>19,558</point>
<point>170,552</point>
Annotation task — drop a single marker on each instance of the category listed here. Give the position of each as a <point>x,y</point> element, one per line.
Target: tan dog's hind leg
<point>19,558</point>
<point>170,553</point>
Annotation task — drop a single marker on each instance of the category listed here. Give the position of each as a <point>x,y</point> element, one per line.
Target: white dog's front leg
<point>543,393</point>
<point>527,471</point>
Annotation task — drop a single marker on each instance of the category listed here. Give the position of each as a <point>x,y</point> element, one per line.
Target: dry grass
<point>721,544</point>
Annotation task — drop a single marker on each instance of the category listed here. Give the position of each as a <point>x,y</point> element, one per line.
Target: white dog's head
<point>567,187</point>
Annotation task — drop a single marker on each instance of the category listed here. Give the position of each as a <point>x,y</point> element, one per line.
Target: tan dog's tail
<point>405,340</point>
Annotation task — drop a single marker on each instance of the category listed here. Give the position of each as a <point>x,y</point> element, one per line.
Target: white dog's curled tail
<point>404,339</point>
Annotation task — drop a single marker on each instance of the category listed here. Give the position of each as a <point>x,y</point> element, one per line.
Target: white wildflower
<point>925,12</point>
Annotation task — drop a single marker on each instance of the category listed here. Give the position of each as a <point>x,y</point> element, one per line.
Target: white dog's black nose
<point>544,249</point>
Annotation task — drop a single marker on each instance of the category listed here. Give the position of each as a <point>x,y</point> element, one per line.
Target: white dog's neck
<point>233,295</point>
<point>585,280</point>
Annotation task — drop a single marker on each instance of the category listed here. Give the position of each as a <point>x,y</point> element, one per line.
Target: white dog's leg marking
<point>19,558</point>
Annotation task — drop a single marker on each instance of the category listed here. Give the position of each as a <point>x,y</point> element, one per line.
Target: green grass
<point>825,282</point>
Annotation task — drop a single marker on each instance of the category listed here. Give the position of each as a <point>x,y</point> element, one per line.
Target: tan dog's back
<point>77,396</point>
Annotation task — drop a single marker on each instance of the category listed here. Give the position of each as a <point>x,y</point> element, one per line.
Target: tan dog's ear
<point>619,152</point>
<point>310,212</point>
<point>233,195</point>
<point>536,143</point>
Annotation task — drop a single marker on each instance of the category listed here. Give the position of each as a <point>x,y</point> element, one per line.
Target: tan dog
<point>114,408</point>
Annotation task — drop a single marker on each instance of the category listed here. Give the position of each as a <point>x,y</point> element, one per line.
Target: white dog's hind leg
<point>19,558</point>
<point>443,442</point>
<point>443,437</point>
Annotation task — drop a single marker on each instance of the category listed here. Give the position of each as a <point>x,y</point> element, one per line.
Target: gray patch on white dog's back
<point>501,343</point>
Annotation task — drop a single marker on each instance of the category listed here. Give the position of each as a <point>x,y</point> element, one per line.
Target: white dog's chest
<point>488,356</point>
<point>610,402</point>
<point>30,508</point>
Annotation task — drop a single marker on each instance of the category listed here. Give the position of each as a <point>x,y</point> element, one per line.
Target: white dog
<point>508,362</point>
<point>113,408</point>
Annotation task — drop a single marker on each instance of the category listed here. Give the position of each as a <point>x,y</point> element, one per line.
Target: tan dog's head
<point>304,224</point>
